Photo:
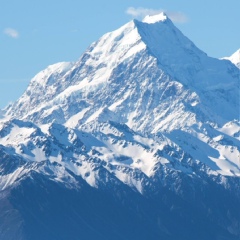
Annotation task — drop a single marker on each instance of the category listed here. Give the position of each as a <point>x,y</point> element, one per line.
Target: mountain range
<point>138,139</point>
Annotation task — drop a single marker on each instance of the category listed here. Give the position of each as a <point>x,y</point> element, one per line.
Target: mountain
<point>234,58</point>
<point>138,139</point>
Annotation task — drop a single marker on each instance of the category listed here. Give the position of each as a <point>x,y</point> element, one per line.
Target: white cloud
<point>177,17</point>
<point>140,12</point>
<point>13,33</point>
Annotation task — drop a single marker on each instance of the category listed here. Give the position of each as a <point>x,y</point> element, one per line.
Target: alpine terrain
<point>138,139</point>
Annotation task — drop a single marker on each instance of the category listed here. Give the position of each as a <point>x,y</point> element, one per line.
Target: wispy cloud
<point>177,17</point>
<point>142,12</point>
<point>13,33</point>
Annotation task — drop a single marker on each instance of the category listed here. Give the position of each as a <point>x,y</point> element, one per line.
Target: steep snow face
<point>180,58</point>
<point>234,58</point>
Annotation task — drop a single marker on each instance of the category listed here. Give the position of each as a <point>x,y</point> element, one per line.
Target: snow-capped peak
<point>113,63</point>
<point>235,58</point>
<point>161,17</point>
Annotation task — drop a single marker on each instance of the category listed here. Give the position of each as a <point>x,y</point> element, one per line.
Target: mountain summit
<point>140,135</point>
<point>235,58</point>
<point>155,18</point>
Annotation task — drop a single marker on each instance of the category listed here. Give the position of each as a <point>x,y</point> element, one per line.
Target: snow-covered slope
<point>142,109</point>
<point>150,77</point>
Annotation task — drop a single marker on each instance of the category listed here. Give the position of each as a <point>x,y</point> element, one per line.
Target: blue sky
<point>35,34</point>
